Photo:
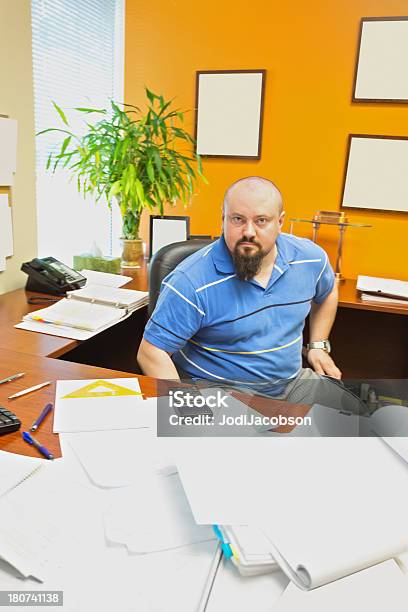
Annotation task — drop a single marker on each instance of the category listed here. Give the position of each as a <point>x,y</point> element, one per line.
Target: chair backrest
<point>165,260</point>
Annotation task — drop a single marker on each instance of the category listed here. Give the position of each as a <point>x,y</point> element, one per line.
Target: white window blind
<point>77,61</point>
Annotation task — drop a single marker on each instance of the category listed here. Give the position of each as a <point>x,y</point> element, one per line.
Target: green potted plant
<point>135,158</point>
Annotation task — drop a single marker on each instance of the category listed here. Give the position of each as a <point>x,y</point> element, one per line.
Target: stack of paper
<point>85,312</point>
<point>383,287</point>
<point>328,506</point>
<point>77,314</point>
<point>127,299</point>
<point>248,548</point>
<point>26,530</point>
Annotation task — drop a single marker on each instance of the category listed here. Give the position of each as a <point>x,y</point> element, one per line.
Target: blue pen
<point>42,416</point>
<point>28,438</point>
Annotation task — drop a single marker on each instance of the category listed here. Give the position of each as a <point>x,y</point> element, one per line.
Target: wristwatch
<point>320,344</point>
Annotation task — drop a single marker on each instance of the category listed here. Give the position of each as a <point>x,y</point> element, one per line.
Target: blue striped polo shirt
<point>224,329</point>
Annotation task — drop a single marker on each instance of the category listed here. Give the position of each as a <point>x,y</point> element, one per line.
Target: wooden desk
<point>110,349</point>
<point>349,297</point>
<point>369,339</point>
<point>29,407</point>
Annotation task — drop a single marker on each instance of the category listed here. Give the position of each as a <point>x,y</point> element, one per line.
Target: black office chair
<point>165,260</point>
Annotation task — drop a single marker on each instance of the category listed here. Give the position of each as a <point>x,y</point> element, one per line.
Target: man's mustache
<point>250,240</point>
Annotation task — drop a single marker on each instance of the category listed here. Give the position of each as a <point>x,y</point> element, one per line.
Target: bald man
<point>234,311</point>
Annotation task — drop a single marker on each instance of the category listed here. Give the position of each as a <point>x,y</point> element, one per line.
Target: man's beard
<point>247,265</point>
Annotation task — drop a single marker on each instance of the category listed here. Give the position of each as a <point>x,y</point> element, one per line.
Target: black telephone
<point>48,275</point>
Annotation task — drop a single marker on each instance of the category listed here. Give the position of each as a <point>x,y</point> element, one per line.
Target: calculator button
<point>5,419</point>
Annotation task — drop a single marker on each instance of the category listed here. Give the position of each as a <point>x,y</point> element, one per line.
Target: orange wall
<point>308,49</point>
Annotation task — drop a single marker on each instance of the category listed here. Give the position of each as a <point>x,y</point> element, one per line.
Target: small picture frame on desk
<point>167,229</point>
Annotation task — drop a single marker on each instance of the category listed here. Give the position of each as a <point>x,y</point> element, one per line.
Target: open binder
<point>91,308</point>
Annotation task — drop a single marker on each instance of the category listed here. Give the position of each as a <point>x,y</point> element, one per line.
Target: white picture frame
<point>376,175</point>
<point>381,73</point>
<point>229,111</point>
<point>167,229</point>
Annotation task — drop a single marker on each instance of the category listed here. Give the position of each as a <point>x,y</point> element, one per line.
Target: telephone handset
<point>48,275</point>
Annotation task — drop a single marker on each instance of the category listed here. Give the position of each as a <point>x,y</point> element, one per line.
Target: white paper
<point>152,516</point>
<point>6,227</point>
<point>369,297</point>
<point>257,593</point>
<point>14,469</point>
<point>77,314</point>
<point>132,454</point>
<point>102,412</point>
<point>2,263</point>
<point>111,295</point>
<point>27,530</point>
<point>65,332</point>
<point>378,588</point>
<point>106,279</point>
<point>97,576</point>
<point>330,482</point>
<point>387,286</point>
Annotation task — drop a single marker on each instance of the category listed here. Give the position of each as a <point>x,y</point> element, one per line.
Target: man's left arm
<point>322,317</point>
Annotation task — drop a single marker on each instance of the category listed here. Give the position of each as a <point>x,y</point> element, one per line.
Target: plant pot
<point>132,253</point>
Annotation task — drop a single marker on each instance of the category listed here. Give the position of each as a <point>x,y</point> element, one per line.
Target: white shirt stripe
<point>322,270</point>
<point>183,297</point>
<point>221,280</point>
<point>244,383</point>
<point>302,261</point>
<point>207,251</point>
<point>278,268</point>
<point>198,367</point>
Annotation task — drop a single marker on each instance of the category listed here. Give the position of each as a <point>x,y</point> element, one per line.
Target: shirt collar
<point>224,263</point>
<point>286,252</point>
<point>222,257</point>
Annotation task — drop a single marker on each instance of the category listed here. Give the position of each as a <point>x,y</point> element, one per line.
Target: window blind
<point>77,61</point>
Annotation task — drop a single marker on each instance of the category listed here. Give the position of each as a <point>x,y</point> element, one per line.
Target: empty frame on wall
<point>382,60</point>
<point>229,107</point>
<point>376,174</point>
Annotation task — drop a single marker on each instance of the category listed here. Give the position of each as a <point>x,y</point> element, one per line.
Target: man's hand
<point>322,363</point>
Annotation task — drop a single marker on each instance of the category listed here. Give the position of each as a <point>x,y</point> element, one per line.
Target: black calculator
<point>8,421</point>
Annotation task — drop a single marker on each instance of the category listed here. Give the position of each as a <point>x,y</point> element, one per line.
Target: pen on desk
<point>42,416</point>
<point>29,438</point>
<point>10,378</point>
<point>24,391</point>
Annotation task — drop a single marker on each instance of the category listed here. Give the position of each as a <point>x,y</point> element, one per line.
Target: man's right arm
<point>156,362</point>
